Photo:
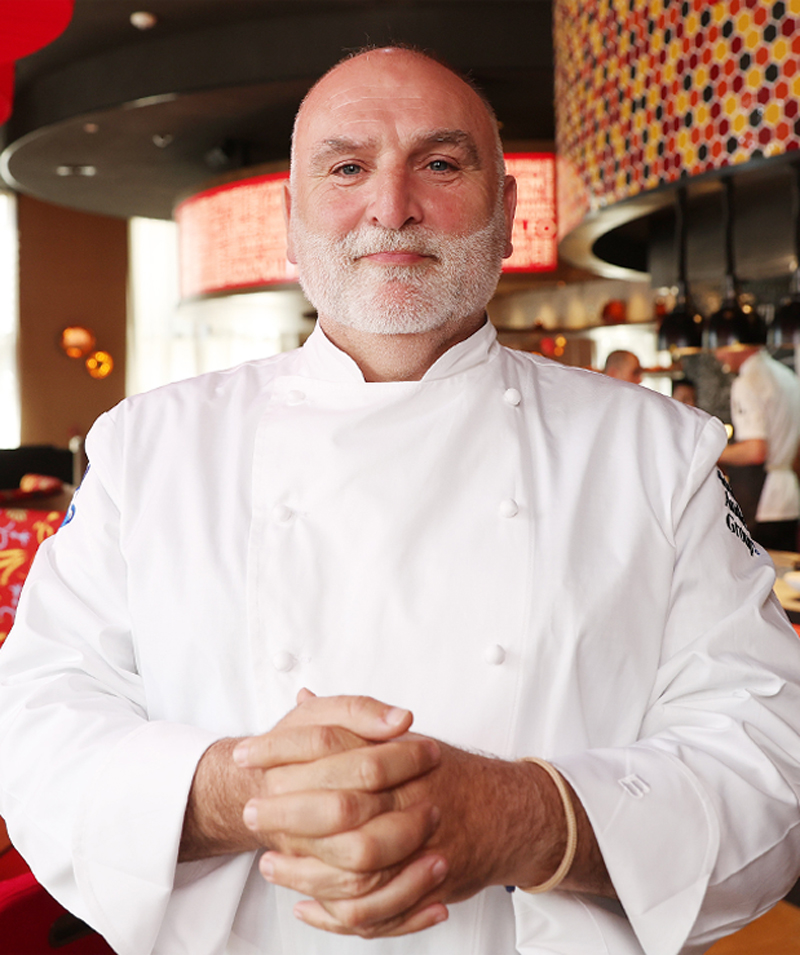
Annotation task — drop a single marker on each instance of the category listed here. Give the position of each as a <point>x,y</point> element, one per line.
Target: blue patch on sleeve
<point>71,509</point>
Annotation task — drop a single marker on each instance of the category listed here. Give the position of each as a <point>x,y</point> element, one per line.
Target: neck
<point>398,357</point>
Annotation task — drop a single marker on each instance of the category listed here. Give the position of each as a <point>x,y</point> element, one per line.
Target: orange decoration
<point>100,364</point>
<point>77,341</point>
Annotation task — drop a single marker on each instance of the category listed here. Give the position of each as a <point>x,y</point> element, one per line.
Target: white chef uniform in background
<point>532,558</point>
<point>765,404</point>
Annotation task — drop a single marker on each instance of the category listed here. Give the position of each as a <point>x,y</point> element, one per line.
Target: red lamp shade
<point>6,90</point>
<point>28,25</point>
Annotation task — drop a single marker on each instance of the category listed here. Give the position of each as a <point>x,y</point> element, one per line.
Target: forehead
<point>392,95</point>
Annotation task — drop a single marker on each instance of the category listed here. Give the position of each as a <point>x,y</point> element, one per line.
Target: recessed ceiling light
<point>143,20</point>
<point>90,127</point>
<point>162,140</point>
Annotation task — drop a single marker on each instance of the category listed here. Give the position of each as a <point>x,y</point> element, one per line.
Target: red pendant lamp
<point>6,90</point>
<point>25,27</point>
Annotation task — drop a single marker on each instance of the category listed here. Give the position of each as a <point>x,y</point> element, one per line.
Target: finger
<point>396,899</point>
<point>304,694</point>
<point>319,880</point>
<point>381,842</point>
<point>287,745</point>
<point>360,714</point>
<point>313,913</point>
<point>315,813</point>
<point>369,768</point>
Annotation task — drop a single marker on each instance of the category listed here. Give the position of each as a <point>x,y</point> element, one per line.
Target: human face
<point>685,394</point>
<point>399,214</point>
<point>632,371</point>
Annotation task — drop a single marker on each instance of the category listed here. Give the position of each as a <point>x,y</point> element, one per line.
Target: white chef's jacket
<point>765,404</point>
<point>536,559</point>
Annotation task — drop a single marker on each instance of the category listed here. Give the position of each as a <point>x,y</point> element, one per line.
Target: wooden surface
<point>776,933</point>
<point>788,596</point>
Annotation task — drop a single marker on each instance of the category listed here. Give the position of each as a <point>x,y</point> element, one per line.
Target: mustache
<point>374,239</point>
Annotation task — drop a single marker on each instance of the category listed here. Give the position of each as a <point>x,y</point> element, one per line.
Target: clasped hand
<point>380,827</point>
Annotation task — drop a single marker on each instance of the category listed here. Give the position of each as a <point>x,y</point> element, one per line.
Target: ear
<point>509,205</point>
<point>287,217</point>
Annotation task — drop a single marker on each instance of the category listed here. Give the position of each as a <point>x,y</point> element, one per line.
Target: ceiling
<point>114,120</point>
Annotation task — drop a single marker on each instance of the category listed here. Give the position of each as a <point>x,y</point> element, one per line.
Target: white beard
<point>456,283</point>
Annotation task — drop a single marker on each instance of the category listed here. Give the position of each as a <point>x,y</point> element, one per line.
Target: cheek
<point>460,211</point>
<point>333,214</point>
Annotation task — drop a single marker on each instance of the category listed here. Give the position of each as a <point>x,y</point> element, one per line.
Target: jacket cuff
<point>658,835</point>
<point>128,835</point>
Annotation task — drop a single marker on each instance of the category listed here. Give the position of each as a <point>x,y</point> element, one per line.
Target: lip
<point>396,258</point>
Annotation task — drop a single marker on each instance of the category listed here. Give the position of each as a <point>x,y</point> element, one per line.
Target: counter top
<point>789,597</point>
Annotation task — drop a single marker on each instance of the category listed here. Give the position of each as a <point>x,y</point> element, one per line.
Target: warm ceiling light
<point>143,20</point>
<point>100,364</point>
<point>77,341</point>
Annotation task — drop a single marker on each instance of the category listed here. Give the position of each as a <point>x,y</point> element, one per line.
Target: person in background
<point>624,366</point>
<point>765,413</point>
<point>539,567</point>
<point>683,390</point>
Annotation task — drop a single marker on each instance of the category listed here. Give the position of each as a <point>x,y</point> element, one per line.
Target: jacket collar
<point>323,360</point>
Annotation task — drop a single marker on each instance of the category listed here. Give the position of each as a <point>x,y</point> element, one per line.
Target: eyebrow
<point>338,146</point>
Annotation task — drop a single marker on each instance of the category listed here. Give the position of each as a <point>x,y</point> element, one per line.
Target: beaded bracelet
<point>572,828</point>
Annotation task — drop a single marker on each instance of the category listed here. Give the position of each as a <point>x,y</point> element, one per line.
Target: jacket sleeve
<point>92,791</point>
<point>698,820</point>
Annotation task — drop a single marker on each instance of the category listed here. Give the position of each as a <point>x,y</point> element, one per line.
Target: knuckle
<point>351,915</point>
<point>360,883</point>
<point>360,706</point>
<point>363,852</point>
<point>325,739</point>
<point>347,811</point>
<point>372,774</point>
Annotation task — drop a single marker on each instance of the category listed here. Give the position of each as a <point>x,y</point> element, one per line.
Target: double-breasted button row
<point>283,661</point>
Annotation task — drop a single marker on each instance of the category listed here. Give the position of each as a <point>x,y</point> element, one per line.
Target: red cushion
<point>30,919</point>
<point>11,864</point>
<point>21,532</point>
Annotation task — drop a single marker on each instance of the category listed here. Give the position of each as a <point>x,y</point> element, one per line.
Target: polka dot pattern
<point>648,91</point>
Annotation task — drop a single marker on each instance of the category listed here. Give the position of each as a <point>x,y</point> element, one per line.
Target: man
<point>683,390</point>
<point>403,513</point>
<point>765,412</point>
<point>624,366</point>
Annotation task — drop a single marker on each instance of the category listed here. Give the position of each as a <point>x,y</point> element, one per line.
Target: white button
<point>512,396</point>
<point>295,397</point>
<point>282,514</point>
<point>508,508</point>
<point>283,661</point>
<point>494,654</point>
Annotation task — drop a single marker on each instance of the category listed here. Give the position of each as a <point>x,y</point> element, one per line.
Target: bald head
<point>623,365</point>
<point>394,65</point>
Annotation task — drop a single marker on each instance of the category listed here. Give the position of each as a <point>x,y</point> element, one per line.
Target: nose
<point>394,203</point>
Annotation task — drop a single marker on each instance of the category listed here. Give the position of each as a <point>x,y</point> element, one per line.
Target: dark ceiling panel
<point>215,85</point>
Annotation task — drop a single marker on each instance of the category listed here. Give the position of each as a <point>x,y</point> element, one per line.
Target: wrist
<point>213,823</point>
<point>570,829</point>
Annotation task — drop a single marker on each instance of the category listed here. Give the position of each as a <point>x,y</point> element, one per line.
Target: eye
<point>440,165</point>
<point>349,169</point>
